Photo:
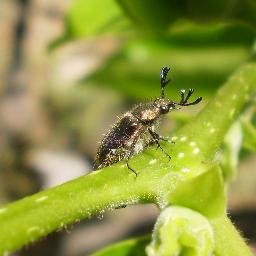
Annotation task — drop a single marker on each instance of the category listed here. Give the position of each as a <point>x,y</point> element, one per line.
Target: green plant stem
<point>227,240</point>
<point>36,216</point>
<point>213,122</point>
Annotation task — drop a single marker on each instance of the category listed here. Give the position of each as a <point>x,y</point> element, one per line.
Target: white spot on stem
<point>152,161</point>
<point>33,229</point>
<point>2,210</point>
<point>41,199</point>
<point>184,138</point>
<point>196,151</point>
<point>234,97</point>
<point>185,170</point>
<point>208,124</point>
<point>181,155</point>
<point>212,130</point>
<point>192,143</point>
<point>174,138</point>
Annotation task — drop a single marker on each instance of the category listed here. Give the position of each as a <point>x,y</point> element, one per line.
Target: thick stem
<point>33,217</point>
<point>36,216</point>
<point>227,239</point>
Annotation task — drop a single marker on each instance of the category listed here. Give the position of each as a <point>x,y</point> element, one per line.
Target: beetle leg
<point>130,153</point>
<point>156,137</point>
<point>130,168</point>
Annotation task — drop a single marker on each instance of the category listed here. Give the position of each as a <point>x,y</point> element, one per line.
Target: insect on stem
<point>136,129</point>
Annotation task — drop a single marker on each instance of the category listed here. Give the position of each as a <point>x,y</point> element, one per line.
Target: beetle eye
<point>164,109</point>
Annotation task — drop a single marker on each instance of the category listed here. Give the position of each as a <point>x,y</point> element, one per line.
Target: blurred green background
<point>68,68</point>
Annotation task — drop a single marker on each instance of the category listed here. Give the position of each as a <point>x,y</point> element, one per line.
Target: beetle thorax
<point>149,114</point>
<point>146,112</point>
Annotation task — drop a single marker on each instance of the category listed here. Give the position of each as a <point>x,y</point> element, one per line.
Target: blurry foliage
<point>126,248</point>
<point>134,71</point>
<point>202,42</point>
<point>193,51</point>
<point>158,15</point>
<point>90,18</point>
<point>72,113</point>
<point>201,52</point>
<point>249,129</point>
<point>17,176</point>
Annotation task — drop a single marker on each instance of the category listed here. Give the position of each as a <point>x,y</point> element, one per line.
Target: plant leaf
<point>129,247</point>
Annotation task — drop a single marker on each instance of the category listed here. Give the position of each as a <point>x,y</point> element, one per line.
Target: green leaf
<point>154,15</point>
<point>204,193</point>
<point>249,132</point>
<point>89,18</point>
<point>131,247</point>
<point>231,149</point>
<point>194,54</point>
<point>181,231</point>
<point>158,15</point>
<point>228,241</point>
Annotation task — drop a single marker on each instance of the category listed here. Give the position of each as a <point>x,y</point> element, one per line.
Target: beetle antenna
<point>184,100</point>
<point>164,82</point>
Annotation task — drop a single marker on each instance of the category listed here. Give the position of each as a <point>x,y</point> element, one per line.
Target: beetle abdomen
<point>116,143</point>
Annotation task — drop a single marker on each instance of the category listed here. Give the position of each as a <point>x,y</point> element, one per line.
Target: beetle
<point>136,129</point>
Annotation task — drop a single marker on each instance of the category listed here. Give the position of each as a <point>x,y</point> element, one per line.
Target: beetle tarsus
<point>129,167</point>
<point>156,137</point>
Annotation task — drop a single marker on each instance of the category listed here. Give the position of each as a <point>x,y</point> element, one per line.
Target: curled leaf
<point>231,149</point>
<point>181,231</point>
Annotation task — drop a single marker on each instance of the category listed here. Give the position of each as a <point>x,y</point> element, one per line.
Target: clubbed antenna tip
<point>164,82</point>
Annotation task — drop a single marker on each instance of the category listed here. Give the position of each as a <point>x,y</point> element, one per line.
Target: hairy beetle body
<point>136,129</point>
